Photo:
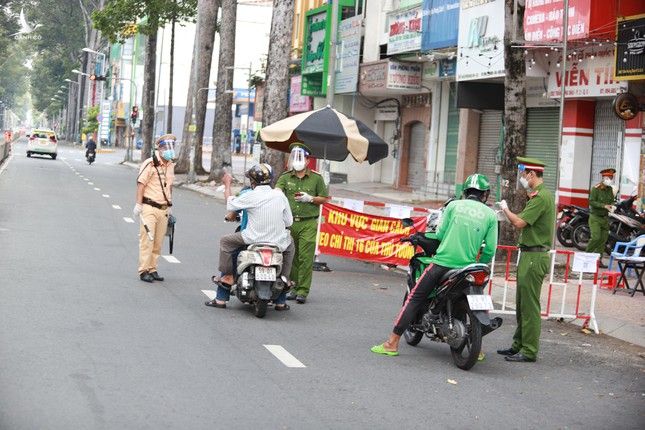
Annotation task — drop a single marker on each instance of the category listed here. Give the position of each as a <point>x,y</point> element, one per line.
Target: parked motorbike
<point>457,311</point>
<point>90,157</point>
<point>568,219</point>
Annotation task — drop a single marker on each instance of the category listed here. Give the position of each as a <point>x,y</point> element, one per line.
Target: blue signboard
<point>447,68</point>
<point>440,24</point>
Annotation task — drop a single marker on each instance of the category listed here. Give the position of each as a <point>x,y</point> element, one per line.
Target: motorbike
<point>568,219</point>
<point>457,312</point>
<point>90,156</point>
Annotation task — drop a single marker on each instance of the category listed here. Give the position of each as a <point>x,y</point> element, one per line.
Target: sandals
<point>284,307</point>
<point>213,303</point>
<point>380,349</point>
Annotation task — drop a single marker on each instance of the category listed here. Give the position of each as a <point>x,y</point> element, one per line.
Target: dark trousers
<point>418,297</point>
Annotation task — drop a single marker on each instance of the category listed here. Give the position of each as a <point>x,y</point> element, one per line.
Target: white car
<point>42,142</point>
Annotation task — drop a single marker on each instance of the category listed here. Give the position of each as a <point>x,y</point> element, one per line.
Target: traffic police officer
<point>601,199</point>
<point>306,191</point>
<point>537,222</point>
<point>154,199</point>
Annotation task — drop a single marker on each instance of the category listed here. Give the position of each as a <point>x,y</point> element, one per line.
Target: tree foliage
<point>91,121</point>
<point>120,19</point>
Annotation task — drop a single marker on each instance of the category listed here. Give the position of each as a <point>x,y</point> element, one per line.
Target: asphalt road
<point>85,345</point>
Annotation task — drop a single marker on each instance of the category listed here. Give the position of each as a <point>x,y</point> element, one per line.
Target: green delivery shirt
<point>600,196</point>
<point>539,214</point>
<point>465,225</point>
<point>312,183</point>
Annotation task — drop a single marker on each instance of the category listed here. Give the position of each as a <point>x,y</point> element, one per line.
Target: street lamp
<point>78,72</point>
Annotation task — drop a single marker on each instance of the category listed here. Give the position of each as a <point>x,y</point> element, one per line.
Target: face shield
<point>298,159</point>
<point>522,182</point>
<point>167,149</point>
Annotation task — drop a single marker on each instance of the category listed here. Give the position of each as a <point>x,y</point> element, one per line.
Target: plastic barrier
<point>569,308</point>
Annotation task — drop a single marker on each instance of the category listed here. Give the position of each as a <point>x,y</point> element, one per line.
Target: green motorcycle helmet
<point>477,185</point>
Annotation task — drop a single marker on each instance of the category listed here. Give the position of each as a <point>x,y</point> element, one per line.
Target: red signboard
<point>365,237</point>
<point>543,20</point>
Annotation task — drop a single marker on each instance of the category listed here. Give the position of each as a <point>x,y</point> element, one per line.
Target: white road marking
<point>90,183</point>
<point>97,189</point>
<point>128,219</point>
<point>284,356</point>
<point>85,179</point>
<point>117,207</point>
<point>209,293</point>
<point>170,259</point>
<point>107,196</point>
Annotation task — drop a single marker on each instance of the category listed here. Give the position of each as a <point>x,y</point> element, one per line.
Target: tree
<point>198,98</point>
<point>221,155</point>
<point>114,21</point>
<point>277,74</point>
<point>91,121</point>
<point>514,117</point>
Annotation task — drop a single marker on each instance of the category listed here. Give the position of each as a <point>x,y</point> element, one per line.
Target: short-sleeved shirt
<point>600,196</point>
<point>539,215</point>
<point>154,182</point>
<point>312,183</point>
<point>269,216</point>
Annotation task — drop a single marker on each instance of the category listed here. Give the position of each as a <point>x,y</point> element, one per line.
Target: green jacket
<point>600,196</point>
<point>465,226</point>
<point>539,214</point>
<point>312,183</point>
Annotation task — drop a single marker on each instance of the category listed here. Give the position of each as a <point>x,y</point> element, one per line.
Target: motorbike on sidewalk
<point>90,156</point>
<point>457,311</point>
<point>568,219</point>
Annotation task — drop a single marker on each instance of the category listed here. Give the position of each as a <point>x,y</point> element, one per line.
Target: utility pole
<point>331,67</point>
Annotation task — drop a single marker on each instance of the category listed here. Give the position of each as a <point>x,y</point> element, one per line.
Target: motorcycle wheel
<point>467,354</point>
<point>564,237</point>
<point>411,337</point>
<point>260,308</point>
<point>581,235</point>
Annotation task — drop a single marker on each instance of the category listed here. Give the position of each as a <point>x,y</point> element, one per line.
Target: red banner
<point>365,237</point>
<point>543,20</point>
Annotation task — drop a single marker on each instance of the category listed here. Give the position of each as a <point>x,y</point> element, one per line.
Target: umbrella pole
<point>321,266</point>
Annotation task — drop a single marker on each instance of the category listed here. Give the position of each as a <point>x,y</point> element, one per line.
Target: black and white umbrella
<point>328,134</point>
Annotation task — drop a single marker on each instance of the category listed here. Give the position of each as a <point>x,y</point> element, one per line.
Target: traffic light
<point>96,77</point>
<point>134,115</point>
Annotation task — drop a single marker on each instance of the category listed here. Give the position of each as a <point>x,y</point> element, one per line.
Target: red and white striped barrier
<point>557,306</point>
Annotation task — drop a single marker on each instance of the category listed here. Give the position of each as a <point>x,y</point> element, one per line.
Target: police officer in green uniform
<point>601,199</point>
<point>536,221</point>
<point>306,191</point>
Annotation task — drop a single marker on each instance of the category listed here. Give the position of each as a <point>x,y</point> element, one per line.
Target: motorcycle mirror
<point>407,222</point>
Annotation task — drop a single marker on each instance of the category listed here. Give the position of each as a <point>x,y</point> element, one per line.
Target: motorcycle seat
<point>255,246</point>
<point>451,274</point>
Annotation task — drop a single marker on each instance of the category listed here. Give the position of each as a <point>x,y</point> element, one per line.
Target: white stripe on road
<point>170,259</point>
<point>97,189</point>
<point>85,179</point>
<point>209,293</point>
<point>128,219</point>
<point>284,356</point>
<point>117,207</point>
<point>90,183</point>
<point>107,196</point>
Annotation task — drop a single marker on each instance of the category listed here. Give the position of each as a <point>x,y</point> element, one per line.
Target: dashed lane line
<point>171,259</point>
<point>117,207</point>
<point>209,293</point>
<point>284,356</point>
<point>97,189</point>
<point>128,220</point>
<point>90,183</point>
<point>107,196</point>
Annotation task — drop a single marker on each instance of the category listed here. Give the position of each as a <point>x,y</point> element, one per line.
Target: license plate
<point>480,302</point>
<point>265,273</point>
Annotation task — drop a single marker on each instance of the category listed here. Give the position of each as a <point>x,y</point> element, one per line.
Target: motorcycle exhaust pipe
<point>495,323</point>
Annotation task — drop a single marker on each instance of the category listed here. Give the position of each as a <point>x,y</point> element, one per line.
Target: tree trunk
<point>81,86</point>
<point>277,74</point>
<point>203,53</point>
<point>515,121</point>
<point>148,99</point>
<point>221,155</point>
<point>207,24</point>
<point>172,74</point>
<point>183,160</point>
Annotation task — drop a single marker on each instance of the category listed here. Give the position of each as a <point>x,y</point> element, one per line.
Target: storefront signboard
<point>348,55</point>
<point>298,102</point>
<point>543,20</point>
<point>630,48</point>
<point>440,24</point>
<point>404,30</point>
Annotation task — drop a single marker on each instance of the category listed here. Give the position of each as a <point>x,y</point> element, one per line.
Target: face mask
<point>168,154</point>
<point>525,183</point>
<point>297,159</point>
<point>607,182</point>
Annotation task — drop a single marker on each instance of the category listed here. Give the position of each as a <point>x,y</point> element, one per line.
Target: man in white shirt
<point>269,217</point>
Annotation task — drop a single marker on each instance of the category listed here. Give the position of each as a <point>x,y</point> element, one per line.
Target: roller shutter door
<point>607,140</point>
<point>542,141</point>
<point>416,164</point>
<point>452,137</point>
<point>490,127</point>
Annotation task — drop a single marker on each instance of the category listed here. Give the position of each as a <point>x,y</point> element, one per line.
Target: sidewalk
<point>619,315</point>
